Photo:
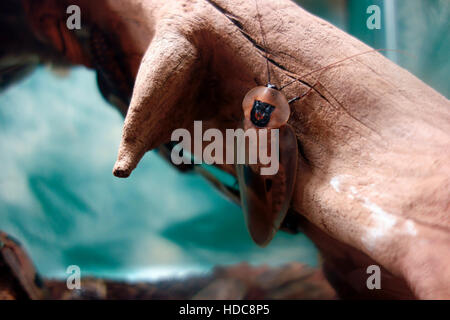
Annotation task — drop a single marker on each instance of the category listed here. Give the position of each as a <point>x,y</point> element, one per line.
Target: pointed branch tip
<point>121,172</point>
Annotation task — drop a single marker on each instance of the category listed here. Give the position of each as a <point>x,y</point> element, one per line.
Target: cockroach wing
<point>265,199</point>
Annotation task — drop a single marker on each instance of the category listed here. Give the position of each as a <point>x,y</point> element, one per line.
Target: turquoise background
<point>58,142</point>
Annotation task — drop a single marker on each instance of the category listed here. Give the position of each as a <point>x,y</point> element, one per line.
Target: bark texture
<point>373,179</point>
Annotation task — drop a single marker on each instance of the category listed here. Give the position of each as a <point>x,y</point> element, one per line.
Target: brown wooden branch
<point>374,176</point>
<point>19,281</point>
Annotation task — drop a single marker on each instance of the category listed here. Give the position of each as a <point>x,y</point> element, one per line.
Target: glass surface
<point>58,196</point>
<point>59,139</point>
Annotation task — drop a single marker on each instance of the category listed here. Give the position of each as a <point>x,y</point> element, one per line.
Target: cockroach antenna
<point>266,197</point>
<point>263,35</point>
<point>337,62</point>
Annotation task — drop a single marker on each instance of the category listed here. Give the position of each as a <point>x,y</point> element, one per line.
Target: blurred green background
<point>67,208</point>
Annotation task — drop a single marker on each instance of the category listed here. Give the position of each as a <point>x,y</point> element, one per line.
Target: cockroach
<point>265,200</point>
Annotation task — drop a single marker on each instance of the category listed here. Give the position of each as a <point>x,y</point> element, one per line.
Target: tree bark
<point>373,180</point>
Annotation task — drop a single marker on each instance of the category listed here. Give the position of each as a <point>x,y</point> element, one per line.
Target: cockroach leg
<point>313,87</point>
<point>295,99</point>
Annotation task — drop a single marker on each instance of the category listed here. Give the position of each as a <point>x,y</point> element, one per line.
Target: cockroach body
<point>265,199</point>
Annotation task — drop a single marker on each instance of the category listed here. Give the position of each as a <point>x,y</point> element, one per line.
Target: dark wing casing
<point>265,199</point>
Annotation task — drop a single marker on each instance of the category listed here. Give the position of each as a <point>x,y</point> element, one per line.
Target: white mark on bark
<point>336,181</point>
<point>381,224</point>
<point>410,228</point>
